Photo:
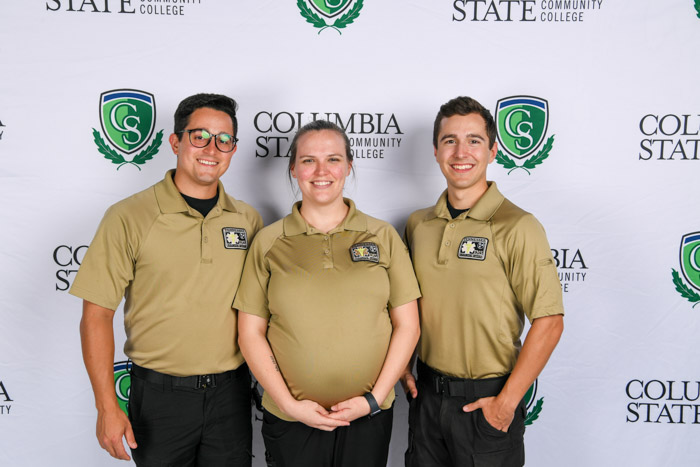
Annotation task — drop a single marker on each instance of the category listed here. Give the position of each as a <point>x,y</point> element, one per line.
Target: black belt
<point>449,386</point>
<point>194,382</point>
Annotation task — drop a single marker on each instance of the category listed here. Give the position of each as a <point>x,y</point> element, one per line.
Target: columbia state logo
<point>366,251</point>
<point>473,248</point>
<point>235,238</point>
<point>690,268</point>
<point>330,14</point>
<point>122,383</point>
<point>522,126</point>
<point>128,118</point>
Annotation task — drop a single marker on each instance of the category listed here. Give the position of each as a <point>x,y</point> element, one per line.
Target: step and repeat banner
<point>605,96</point>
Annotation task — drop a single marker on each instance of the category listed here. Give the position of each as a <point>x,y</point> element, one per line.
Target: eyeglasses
<point>200,138</point>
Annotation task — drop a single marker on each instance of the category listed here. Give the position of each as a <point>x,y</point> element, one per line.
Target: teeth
<point>201,161</point>
<point>463,167</point>
<point>321,183</point>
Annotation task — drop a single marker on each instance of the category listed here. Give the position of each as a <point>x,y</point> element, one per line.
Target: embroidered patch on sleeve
<point>235,238</point>
<point>473,248</point>
<point>366,251</point>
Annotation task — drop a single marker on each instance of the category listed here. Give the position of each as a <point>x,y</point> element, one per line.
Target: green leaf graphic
<point>534,414</point>
<point>308,14</point>
<point>697,7</point>
<point>148,153</point>
<point>108,152</point>
<point>532,162</point>
<point>351,15</point>
<point>683,289</point>
<point>505,161</point>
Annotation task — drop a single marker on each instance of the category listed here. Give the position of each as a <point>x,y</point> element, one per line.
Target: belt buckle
<point>205,381</point>
<point>439,385</point>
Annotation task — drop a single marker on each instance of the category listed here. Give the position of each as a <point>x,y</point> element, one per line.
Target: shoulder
<point>139,208</point>
<point>247,211</point>
<point>510,218</point>
<point>419,216</point>
<point>266,237</point>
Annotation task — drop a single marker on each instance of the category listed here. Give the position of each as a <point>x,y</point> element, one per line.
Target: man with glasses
<point>175,251</point>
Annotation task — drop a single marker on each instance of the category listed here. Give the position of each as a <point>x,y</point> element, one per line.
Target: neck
<point>466,198</point>
<point>195,191</point>
<point>324,218</point>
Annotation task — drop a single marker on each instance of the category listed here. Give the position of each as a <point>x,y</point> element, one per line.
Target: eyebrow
<point>468,135</point>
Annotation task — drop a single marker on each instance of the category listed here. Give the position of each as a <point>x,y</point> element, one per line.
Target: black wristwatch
<point>373,406</point>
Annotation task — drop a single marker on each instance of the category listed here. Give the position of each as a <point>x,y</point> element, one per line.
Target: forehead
<point>210,119</point>
<point>321,142</point>
<point>459,124</point>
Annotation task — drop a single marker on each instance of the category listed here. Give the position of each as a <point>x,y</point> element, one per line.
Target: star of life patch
<point>235,238</point>
<point>366,251</point>
<point>473,248</point>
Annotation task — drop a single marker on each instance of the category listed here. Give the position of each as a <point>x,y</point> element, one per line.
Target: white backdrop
<point>613,392</point>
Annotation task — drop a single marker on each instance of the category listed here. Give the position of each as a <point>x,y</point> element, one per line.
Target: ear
<point>349,171</point>
<point>174,143</point>
<point>435,152</point>
<point>292,171</point>
<point>494,151</point>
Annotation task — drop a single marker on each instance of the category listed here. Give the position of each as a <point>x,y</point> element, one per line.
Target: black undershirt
<point>455,212</point>
<point>201,205</point>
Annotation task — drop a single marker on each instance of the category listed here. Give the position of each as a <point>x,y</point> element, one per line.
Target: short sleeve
<point>251,296</point>
<point>402,279</point>
<point>533,273</point>
<point>108,266</point>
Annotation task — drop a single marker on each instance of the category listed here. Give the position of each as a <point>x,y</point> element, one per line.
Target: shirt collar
<point>171,201</point>
<point>294,223</point>
<point>483,210</point>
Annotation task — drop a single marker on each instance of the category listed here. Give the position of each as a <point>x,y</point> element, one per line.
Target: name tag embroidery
<point>473,248</point>
<point>235,238</point>
<point>366,251</point>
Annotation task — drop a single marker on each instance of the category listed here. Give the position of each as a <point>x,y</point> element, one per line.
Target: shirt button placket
<point>327,252</point>
<point>446,247</point>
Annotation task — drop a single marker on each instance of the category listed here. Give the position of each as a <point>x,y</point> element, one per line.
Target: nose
<point>210,149</point>
<point>321,168</point>
<point>462,149</point>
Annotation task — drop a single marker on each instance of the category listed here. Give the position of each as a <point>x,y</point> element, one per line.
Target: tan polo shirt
<point>480,275</point>
<point>179,273</point>
<point>327,298</point>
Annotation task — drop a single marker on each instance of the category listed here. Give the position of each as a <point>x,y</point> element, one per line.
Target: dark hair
<point>316,125</point>
<point>464,106</point>
<point>198,101</point>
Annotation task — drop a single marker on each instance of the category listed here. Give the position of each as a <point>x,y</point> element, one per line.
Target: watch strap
<point>374,408</point>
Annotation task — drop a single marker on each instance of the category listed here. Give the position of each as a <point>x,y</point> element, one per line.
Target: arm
<point>252,338</point>
<point>408,381</point>
<point>97,339</point>
<point>539,344</point>
<point>403,341</point>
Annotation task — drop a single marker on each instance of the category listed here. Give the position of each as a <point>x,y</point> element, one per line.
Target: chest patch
<point>366,251</point>
<point>235,238</point>
<point>473,248</point>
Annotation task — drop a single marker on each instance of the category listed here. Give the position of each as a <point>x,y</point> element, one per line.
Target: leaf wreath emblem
<point>529,164</point>
<point>311,17</point>
<point>534,414</point>
<point>683,289</point>
<point>697,7</point>
<point>352,15</point>
<point>116,158</point>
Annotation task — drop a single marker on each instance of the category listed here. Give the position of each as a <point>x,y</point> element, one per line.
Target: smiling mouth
<point>321,184</point>
<point>205,162</point>
<point>462,166</point>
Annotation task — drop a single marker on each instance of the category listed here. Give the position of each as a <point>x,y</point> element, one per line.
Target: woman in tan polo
<point>328,317</point>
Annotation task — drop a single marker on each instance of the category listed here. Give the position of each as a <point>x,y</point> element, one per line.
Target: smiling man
<point>483,265</point>
<point>175,251</point>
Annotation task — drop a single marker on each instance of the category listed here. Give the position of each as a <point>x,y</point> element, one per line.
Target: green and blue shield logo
<point>334,14</point>
<point>122,384</point>
<point>330,8</point>
<point>522,126</point>
<point>690,267</point>
<point>127,117</point>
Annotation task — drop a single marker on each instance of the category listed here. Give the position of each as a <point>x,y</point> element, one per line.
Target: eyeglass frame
<point>211,136</point>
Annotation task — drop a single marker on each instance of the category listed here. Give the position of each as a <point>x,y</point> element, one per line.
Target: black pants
<point>441,434</point>
<point>365,443</point>
<point>177,424</point>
